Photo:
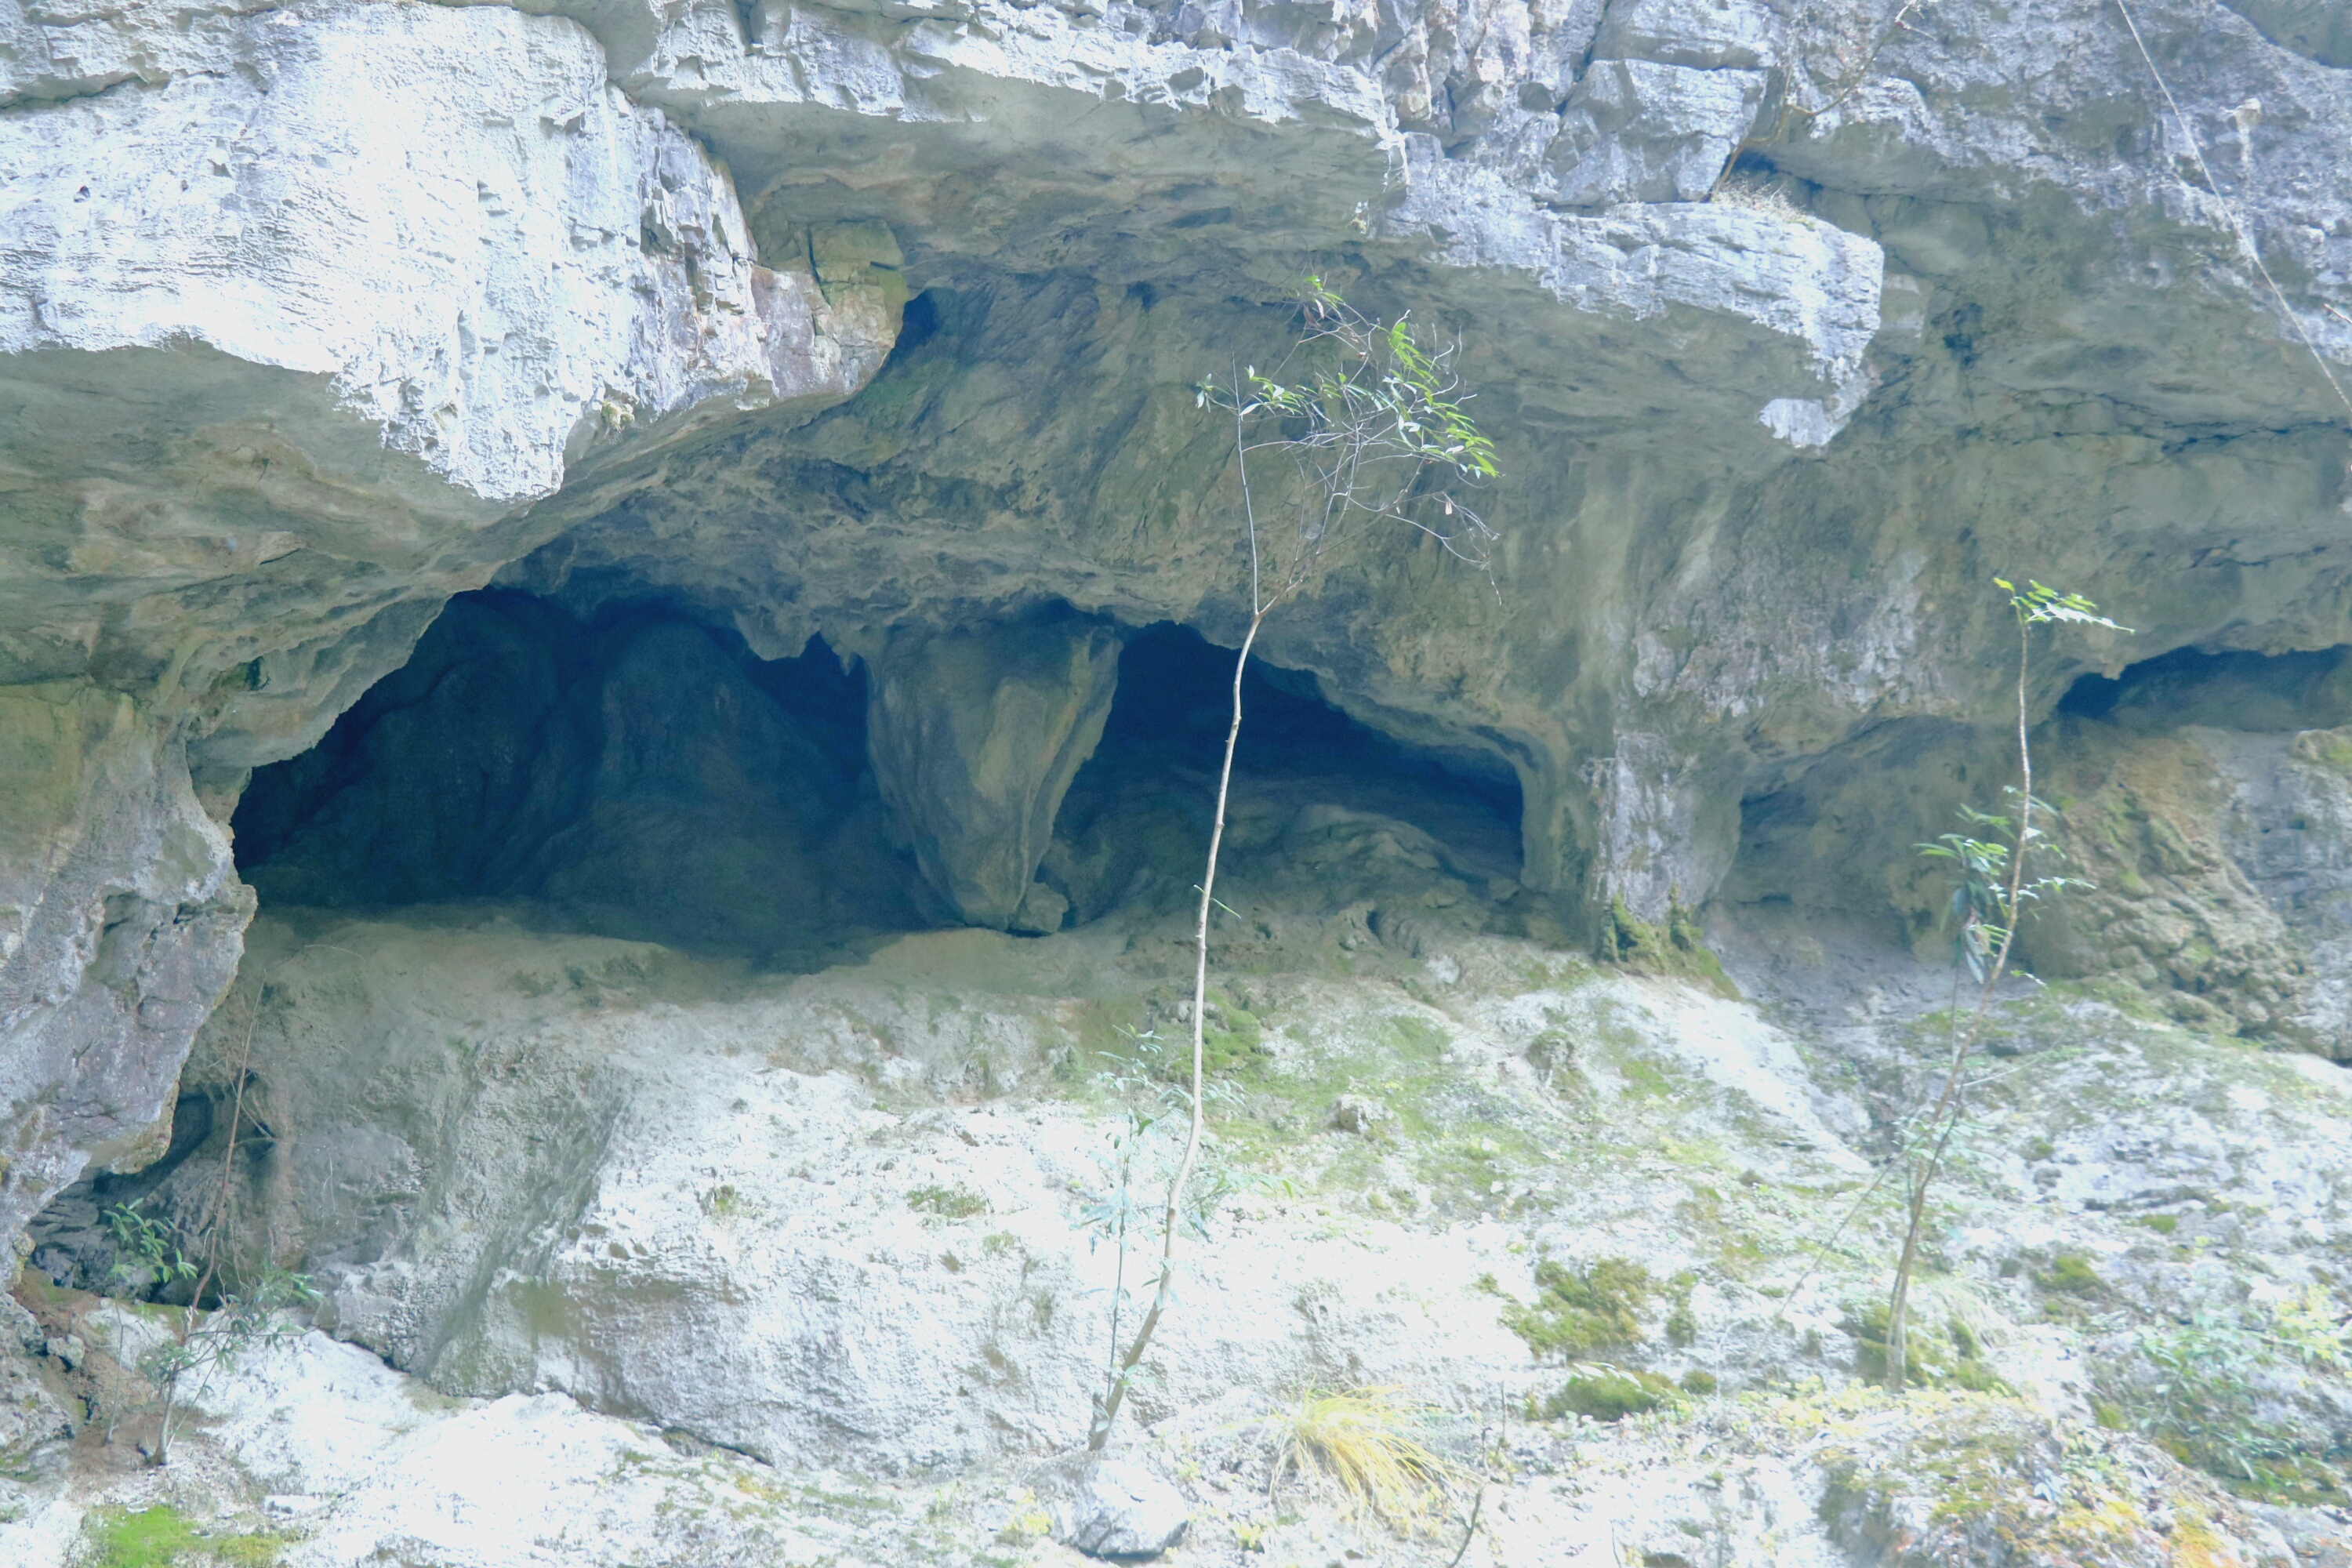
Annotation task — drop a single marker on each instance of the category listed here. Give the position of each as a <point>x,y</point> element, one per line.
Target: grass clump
<point>2071,1273</point>
<point>1366,1440</point>
<point>1611,1393</point>
<point>958,1202</point>
<point>1579,1312</point>
<point>162,1537</point>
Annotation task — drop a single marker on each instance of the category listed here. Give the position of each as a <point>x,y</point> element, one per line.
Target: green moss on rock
<point>1610,1393</point>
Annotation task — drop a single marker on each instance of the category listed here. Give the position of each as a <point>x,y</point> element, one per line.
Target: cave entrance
<point>638,775</point>
<point>641,774</point>
<point>2254,692</point>
<point>1307,778</point>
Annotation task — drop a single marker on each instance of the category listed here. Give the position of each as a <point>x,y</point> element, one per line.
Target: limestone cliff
<point>727,475</point>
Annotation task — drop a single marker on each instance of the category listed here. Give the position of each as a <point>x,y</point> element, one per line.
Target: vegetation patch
<point>1612,1394</point>
<point>162,1537</point>
<point>1950,1359</point>
<point>1675,947</point>
<point>1580,1312</point>
<point>2071,1273</point>
<point>2238,1399</point>
<point>1370,1441</point>
<point>958,1202</point>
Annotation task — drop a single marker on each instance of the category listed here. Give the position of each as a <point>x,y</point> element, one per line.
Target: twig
<point>1470,1532</point>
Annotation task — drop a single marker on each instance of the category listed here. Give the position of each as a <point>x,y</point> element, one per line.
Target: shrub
<point>1577,1312</point>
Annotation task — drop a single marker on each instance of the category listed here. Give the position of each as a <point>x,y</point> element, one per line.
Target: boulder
<point>1118,1508</point>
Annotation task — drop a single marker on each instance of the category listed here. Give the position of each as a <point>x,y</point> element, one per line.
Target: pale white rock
<point>120,924</point>
<point>1790,306</point>
<point>1116,1506</point>
<point>1635,131</point>
<point>492,258</point>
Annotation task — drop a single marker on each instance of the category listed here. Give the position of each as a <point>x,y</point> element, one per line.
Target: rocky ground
<point>682,1263</point>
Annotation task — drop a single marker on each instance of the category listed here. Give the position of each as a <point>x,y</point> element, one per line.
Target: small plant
<point>146,1251</point>
<point>1990,897</point>
<point>1365,1439</point>
<point>2309,1326</point>
<point>2209,1393</point>
<point>252,1320</point>
<point>1611,1393</point>
<point>958,1202</point>
<point>1579,1312</point>
<point>244,1322</point>
<point>1374,433</point>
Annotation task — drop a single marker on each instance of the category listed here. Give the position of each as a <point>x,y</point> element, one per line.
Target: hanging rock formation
<point>975,738</point>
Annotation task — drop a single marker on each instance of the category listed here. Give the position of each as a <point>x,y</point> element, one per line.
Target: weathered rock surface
<point>1116,1507</point>
<point>326,311</point>
<point>120,927</point>
<point>1794,322</point>
<point>975,737</point>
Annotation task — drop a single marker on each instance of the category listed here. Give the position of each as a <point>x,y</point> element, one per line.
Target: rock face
<point>325,312</point>
<point>975,739</point>
<point>121,928</point>
<point>1119,1508</point>
<point>716,489</point>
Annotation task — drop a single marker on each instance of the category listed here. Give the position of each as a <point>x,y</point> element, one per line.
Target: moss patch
<point>2071,1273</point>
<point>1933,1357</point>
<point>1610,1393</point>
<point>958,1202</point>
<point>1676,947</point>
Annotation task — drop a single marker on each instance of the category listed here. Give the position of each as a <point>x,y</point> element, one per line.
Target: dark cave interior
<point>641,774</point>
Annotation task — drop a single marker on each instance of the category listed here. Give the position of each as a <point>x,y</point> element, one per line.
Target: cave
<point>641,774</point>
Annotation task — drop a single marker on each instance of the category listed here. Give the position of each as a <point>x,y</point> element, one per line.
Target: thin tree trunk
<point>1944,1119</point>
<point>1108,1410</point>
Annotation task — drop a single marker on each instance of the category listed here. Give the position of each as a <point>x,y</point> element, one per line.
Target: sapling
<point>1374,431</point>
<point>1988,901</point>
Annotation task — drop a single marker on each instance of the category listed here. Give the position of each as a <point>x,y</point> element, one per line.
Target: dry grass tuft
<point>1364,1439</point>
<point>1769,198</point>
